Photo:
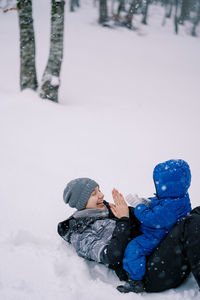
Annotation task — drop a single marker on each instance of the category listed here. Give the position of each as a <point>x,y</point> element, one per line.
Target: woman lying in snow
<point>100,231</point>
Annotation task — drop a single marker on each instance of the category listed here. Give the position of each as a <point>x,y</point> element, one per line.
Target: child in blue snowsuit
<point>172,180</point>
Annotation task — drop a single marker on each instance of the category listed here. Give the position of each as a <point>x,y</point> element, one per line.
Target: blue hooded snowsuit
<point>172,180</point>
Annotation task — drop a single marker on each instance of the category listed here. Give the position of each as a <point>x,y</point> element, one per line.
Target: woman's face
<point>96,200</point>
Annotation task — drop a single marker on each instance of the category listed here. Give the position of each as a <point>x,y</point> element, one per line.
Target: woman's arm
<point>113,252</point>
<point>104,242</point>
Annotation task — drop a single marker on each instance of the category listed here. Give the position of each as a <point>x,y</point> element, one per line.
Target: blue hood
<point>172,178</point>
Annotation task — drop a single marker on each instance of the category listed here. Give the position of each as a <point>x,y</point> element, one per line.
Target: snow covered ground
<point>128,100</point>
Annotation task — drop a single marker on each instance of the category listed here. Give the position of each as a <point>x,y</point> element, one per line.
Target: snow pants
<point>134,261</point>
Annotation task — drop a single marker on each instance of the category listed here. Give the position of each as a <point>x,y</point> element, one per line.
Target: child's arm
<point>157,216</point>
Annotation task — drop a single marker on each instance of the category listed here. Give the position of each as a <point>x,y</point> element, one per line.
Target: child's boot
<point>135,286</point>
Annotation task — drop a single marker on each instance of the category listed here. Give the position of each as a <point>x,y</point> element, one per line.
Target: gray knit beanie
<point>78,191</point>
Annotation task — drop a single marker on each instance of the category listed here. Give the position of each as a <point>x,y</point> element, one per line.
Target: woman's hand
<point>120,209</point>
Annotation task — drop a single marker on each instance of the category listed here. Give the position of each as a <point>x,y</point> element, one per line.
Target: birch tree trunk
<point>28,77</point>
<point>51,76</point>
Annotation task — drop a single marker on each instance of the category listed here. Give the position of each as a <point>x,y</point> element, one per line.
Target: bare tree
<point>28,78</point>
<point>51,76</point>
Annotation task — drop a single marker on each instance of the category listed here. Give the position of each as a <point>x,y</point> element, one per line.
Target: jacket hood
<point>80,220</point>
<point>172,178</point>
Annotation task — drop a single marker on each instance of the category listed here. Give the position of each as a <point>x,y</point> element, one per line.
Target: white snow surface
<point>128,100</point>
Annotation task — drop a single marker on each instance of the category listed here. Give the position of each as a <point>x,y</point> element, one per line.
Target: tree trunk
<point>103,11</point>
<point>168,10</point>
<point>74,3</point>
<point>121,6</point>
<point>112,7</point>
<point>132,10</point>
<point>71,5</point>
<point>28,77</point>
<point>144,20</point>
<point>185,11</point>
<point>169,7</point>
<point>77,3</point>
<point>176,17</point>
<point>51,76</point>
<point>95,3</point>
<point>196,22</point>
